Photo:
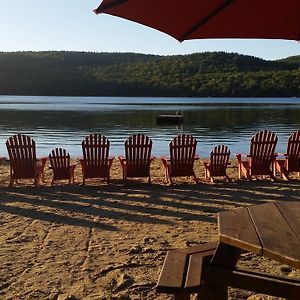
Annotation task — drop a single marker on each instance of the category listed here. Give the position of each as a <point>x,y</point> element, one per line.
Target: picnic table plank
<point>236,228</point>
<point>278,239</point>
<point>173,271</point>
<point>193,279</point>
<point>291,212</point>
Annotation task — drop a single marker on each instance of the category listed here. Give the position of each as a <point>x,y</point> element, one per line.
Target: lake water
<point>65,121</point>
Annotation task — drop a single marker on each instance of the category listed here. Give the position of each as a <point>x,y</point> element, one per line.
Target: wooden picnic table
<point>271,230</point>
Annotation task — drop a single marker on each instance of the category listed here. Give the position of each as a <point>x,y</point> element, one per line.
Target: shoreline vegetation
<point>215,74</point>
<point>104,241</point>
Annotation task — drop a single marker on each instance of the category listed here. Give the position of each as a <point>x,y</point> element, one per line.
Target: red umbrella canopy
<point>194,19</point>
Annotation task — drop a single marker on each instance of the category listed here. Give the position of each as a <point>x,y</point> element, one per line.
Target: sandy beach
<point>104,241</point>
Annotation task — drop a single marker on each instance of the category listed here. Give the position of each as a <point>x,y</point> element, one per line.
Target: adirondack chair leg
<point>166,180</point>
<point>272,176</point>
<point>228,179</point>
<point>274,168</point>
<point>37,181</point>
<point>149,180</point>
<point>125,178</point>
<point>166,177</point>
<point>248,174</point>
<point>195,178</point>
<point>283,173</point>
<point>124,175</point>
<point>240,172</point>
<point>285,176</point>
<point>206,172</point>
<point>11,183</point>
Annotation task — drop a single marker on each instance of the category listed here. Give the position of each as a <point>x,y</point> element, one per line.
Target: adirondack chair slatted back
<point>137,154</point>
<point>60,163</point>
<point>262,151</point>
<point>219,159</point>
<point>293,152</point>
<point>182,155</point>
<point>22,155</point>
<point>95,148</point>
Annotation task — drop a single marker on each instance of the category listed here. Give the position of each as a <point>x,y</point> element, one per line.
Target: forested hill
<point>216,74</point>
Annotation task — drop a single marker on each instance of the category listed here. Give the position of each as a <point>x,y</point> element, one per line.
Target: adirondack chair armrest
<point>42,161</point>
<point>152,158</point>
<point>72,167</point>
<point>239,156</point>
<point>197,157</point>
<point>122,160</point>
<point>165,160</point>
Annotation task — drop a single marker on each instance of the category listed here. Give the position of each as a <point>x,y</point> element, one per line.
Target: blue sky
<point>35,25</point>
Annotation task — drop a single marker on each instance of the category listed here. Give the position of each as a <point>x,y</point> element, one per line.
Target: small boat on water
<point>170,119</point>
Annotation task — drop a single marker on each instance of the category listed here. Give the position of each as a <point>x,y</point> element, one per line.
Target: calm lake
<point>65,121</point>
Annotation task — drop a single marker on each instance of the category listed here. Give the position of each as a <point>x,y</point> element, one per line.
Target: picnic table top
<point>271,230</point>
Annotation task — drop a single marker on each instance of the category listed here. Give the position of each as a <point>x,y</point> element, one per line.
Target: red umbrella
<point>194,19</point>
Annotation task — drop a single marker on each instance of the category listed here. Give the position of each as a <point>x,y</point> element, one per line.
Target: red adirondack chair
<point>23,162</point>
<point>182,157</point>
<point>137,160</point>
<point>60,165</point>
<point>261,157</point>
<point>291,163</point>
<point>96,162</point>
<point>219,160</point>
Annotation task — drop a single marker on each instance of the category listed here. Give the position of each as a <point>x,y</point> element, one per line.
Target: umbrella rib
<point>205,20</point>
<point>101,8</point>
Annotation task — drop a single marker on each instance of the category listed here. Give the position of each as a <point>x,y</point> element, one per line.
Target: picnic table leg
<point>226,257</point>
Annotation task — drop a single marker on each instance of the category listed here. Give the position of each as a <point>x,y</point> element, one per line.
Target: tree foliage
<point>215,74</point>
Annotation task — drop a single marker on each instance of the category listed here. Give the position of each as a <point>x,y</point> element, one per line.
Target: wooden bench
<point>200,270</point>
<point>182,269</point>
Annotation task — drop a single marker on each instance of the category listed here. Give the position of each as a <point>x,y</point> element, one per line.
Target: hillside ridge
<point>209,74</point>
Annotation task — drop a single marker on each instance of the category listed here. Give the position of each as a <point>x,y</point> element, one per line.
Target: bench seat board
<point>181,272</point>
<point>173,273</point>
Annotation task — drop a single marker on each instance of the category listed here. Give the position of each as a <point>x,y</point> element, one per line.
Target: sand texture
<point>104,241</point>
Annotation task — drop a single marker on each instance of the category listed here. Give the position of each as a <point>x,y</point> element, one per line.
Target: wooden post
<point>226,257</point>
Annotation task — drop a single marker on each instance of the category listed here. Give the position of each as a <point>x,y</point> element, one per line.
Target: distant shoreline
<point>210,74</point>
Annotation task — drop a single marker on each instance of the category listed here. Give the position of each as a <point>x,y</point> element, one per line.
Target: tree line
<point>211,74</point>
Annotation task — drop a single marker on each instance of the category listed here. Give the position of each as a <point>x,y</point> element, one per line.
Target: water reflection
<point>229,123</point>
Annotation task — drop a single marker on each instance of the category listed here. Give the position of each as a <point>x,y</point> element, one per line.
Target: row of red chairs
<point>96,162</point>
